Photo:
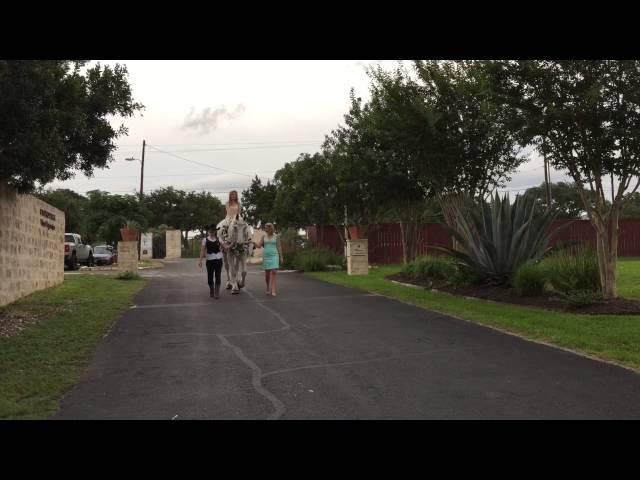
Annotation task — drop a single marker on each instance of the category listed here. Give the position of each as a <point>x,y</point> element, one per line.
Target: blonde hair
<point>269,225</point>
<point>237,199</point>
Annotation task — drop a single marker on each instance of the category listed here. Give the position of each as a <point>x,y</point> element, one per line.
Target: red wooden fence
<point>385,244</point>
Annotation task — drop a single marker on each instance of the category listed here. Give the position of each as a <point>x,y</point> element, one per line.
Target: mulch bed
<point>619,306</point>
<point>13,322</point>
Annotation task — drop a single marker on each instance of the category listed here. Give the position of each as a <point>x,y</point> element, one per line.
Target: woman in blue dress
<point>271,257</point>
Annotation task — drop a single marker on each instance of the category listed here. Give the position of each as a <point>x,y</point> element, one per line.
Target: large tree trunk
<point>410,233</point>
<point>607,250</point>
<point>403,238</point>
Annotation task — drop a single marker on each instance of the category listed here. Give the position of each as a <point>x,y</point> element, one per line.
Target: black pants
<point>214,266</point>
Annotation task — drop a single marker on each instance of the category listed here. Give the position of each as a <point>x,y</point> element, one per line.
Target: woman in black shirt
<point>212,248</point>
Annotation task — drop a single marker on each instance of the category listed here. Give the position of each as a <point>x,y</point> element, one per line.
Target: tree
<point>585,117</point>
<point>258,201</point>
<point>197,211</point>
<point>55,119</point>
<point>185,211</point>
<point>565,199</point>
<point>107,213</point>
<point>632,208</point>
<point>72,204</point>
<point>434,132</point>
<point>470,141</point>
<point>304,192</point>
<point>359,169</point>
<point>164,206</point>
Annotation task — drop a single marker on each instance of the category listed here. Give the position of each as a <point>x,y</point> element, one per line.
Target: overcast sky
<point>246,117</point>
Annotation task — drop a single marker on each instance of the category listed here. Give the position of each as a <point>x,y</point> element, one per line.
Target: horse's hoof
<point>235,292</point>
<point>229,287</point>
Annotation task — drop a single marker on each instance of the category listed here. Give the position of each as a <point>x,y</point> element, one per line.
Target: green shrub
<point>316,259</point>
<point>530,280</point>
<point>291,243</point>
<point>428,268</point>
<point>583,298</point>
<point>568,273</point>
<point>128,276</point>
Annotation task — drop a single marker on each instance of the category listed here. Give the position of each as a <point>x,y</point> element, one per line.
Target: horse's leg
<point>234,274</point>
<point>243,269</point>
<point>225,256</point>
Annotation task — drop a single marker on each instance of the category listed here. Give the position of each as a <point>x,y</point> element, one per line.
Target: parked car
<point>76,252</point>
<point>104,255</point>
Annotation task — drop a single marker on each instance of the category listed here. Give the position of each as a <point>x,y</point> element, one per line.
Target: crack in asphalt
<point>256,372</point>
<point>354,362</point>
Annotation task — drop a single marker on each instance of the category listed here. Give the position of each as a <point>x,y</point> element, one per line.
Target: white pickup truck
<point>76,252</point>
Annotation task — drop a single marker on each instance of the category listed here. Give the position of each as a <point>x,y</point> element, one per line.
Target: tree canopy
<point>100,215</point>
<point>258,202</point>
<point>55,119</point>
<point>565,200</point>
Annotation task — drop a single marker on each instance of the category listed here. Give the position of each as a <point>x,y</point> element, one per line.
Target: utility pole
<point>144,146</point>
<point>132,159</point>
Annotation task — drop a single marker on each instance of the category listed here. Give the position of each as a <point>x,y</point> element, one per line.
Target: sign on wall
<point>146,246</point>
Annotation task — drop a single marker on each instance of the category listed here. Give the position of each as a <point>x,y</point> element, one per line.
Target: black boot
<point>211,291</point>
<point>216,293</point>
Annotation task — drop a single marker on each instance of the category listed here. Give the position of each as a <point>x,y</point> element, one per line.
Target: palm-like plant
<point>495,238</point>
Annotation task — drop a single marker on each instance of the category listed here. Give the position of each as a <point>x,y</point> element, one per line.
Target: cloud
<point>209,119</point>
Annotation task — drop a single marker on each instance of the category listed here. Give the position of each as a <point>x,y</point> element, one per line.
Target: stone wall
<point>174,244</point>
<point>31,245</point>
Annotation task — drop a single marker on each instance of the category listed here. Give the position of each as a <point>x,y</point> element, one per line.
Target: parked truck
<point>76,252</point>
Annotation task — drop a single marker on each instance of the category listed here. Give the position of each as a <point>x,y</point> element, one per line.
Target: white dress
<point>232,210</point>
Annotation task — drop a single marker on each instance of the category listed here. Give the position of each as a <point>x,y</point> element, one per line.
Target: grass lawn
<point>629,277</point>
<point>38,365</point>
<point>610,337</point>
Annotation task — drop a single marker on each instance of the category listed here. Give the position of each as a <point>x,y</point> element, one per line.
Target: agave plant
<point>493,239</point>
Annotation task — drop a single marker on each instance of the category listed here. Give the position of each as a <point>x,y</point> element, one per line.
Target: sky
<point>234,119</point>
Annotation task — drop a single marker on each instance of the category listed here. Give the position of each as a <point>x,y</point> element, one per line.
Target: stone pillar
<point>146,246</point>
<point>358,257</point>
<point>128,257</point>
<point>174,244</point>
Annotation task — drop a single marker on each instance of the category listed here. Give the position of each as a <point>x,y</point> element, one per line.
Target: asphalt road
<point>322,351</point>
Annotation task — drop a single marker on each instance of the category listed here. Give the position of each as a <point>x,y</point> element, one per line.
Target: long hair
<point>231,193</point>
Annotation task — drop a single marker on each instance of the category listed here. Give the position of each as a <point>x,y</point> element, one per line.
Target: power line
<point>129,152</point>
<point>241,148</point>
<point>200,163</point>
<point>156,176</point>
<point>226,144</point>
<point>133,191</point>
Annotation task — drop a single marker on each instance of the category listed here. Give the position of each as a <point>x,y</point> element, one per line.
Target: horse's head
<point>238,230</point>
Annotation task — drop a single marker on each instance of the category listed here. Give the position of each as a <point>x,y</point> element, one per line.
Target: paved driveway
<point>322,351</point>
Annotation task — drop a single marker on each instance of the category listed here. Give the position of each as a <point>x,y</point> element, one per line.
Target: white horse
<point>237,233</point>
